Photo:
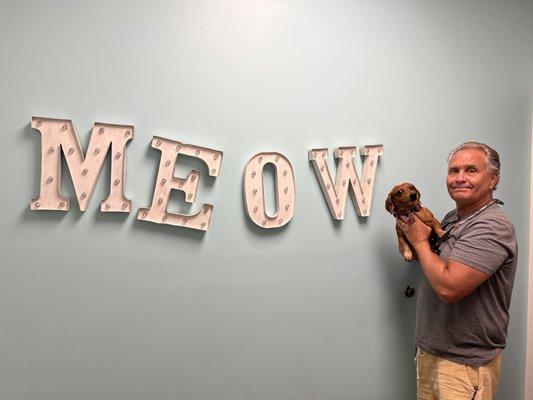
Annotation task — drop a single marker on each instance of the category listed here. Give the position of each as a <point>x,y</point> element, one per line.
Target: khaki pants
<point>440,379</point>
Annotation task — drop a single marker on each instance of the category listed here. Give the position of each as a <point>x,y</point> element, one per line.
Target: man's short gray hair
<point>493,158</point>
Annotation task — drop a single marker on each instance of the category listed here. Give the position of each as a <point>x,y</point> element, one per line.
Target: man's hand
<point>414,229</point>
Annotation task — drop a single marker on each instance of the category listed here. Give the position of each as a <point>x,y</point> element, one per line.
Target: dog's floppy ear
<point>388,204</point>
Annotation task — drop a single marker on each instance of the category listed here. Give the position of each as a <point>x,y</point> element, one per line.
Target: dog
<point>403,200</point>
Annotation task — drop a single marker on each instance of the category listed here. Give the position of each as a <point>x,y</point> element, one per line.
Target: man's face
<point>469,179</point>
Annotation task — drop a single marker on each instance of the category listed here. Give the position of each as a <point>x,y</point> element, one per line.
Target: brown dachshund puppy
<point>404,199</point>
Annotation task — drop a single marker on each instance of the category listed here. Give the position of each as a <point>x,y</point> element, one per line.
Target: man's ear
<point>388,204</point>
<point>494,178</point>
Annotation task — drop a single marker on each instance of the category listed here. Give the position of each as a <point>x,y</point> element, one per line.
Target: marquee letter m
<point>59,135</point>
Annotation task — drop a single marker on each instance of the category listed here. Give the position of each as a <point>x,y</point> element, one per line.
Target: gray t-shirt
<point>472,331</point>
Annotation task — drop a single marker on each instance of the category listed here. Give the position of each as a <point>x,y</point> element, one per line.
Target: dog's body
<point>403,200</point>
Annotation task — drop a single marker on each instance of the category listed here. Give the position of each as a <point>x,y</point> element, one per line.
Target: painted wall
<point>104,306</point>
<point>529,341</point>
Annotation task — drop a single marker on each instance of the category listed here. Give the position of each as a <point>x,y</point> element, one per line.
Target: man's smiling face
<point>470,181</point>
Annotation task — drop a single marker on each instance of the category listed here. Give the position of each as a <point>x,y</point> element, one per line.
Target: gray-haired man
<point>463,307</point>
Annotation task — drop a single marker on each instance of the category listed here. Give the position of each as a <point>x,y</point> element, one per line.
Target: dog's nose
<point>412,197</point>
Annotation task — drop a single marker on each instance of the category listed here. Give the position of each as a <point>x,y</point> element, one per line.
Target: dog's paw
<point>440,232</point>
<point>408,256</point>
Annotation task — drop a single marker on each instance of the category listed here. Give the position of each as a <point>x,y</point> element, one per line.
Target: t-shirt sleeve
<point>485,245</point>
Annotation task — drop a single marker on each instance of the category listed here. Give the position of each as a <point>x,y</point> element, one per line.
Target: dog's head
<point>402,198</point>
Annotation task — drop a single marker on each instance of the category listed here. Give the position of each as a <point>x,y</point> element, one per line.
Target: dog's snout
<point>412,197</point>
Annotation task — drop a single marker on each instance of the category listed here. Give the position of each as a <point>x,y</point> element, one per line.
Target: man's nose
<point>460,177</point>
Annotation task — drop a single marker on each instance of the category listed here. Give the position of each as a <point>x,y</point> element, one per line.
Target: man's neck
<point>466,210</point>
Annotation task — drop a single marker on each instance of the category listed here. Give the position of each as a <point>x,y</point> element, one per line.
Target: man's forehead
<point>468,157</point>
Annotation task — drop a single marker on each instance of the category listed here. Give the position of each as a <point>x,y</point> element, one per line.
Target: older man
<point>463,306</point>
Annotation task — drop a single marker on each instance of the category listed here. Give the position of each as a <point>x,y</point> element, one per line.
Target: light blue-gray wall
<point>96,306</point>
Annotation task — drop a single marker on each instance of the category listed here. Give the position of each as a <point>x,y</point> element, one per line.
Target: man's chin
<point>461,192</point>
<point>460,195</point>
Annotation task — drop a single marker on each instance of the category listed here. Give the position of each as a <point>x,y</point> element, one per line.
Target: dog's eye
<point>399,192</point>
<point>412,187</point>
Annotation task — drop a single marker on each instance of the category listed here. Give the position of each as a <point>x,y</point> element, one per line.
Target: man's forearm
<point>434,268</point>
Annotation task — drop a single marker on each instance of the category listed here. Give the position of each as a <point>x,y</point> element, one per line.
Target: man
<point>463,306</point>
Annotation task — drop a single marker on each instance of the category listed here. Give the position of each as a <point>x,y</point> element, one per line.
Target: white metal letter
<point>60,135</point>
<point>254,190</point>
<point>361,189</point>
<point>166,181</point>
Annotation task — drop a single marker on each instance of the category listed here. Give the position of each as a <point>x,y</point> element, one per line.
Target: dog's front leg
<point>437,228</point>
<point>405,250</point>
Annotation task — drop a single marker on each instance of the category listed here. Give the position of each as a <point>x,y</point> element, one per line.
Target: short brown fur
<point>403,200</point>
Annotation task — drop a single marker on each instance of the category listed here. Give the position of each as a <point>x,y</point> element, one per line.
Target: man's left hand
<point>415,230</point>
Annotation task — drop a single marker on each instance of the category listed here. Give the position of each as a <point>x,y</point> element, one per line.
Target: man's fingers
<point>401,223</point>
<point>409,220</point>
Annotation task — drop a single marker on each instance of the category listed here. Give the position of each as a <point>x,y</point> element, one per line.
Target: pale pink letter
<point>59,135</point>
<point>166,181</point>
<point>254,190</point>
<point>361,189</point>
